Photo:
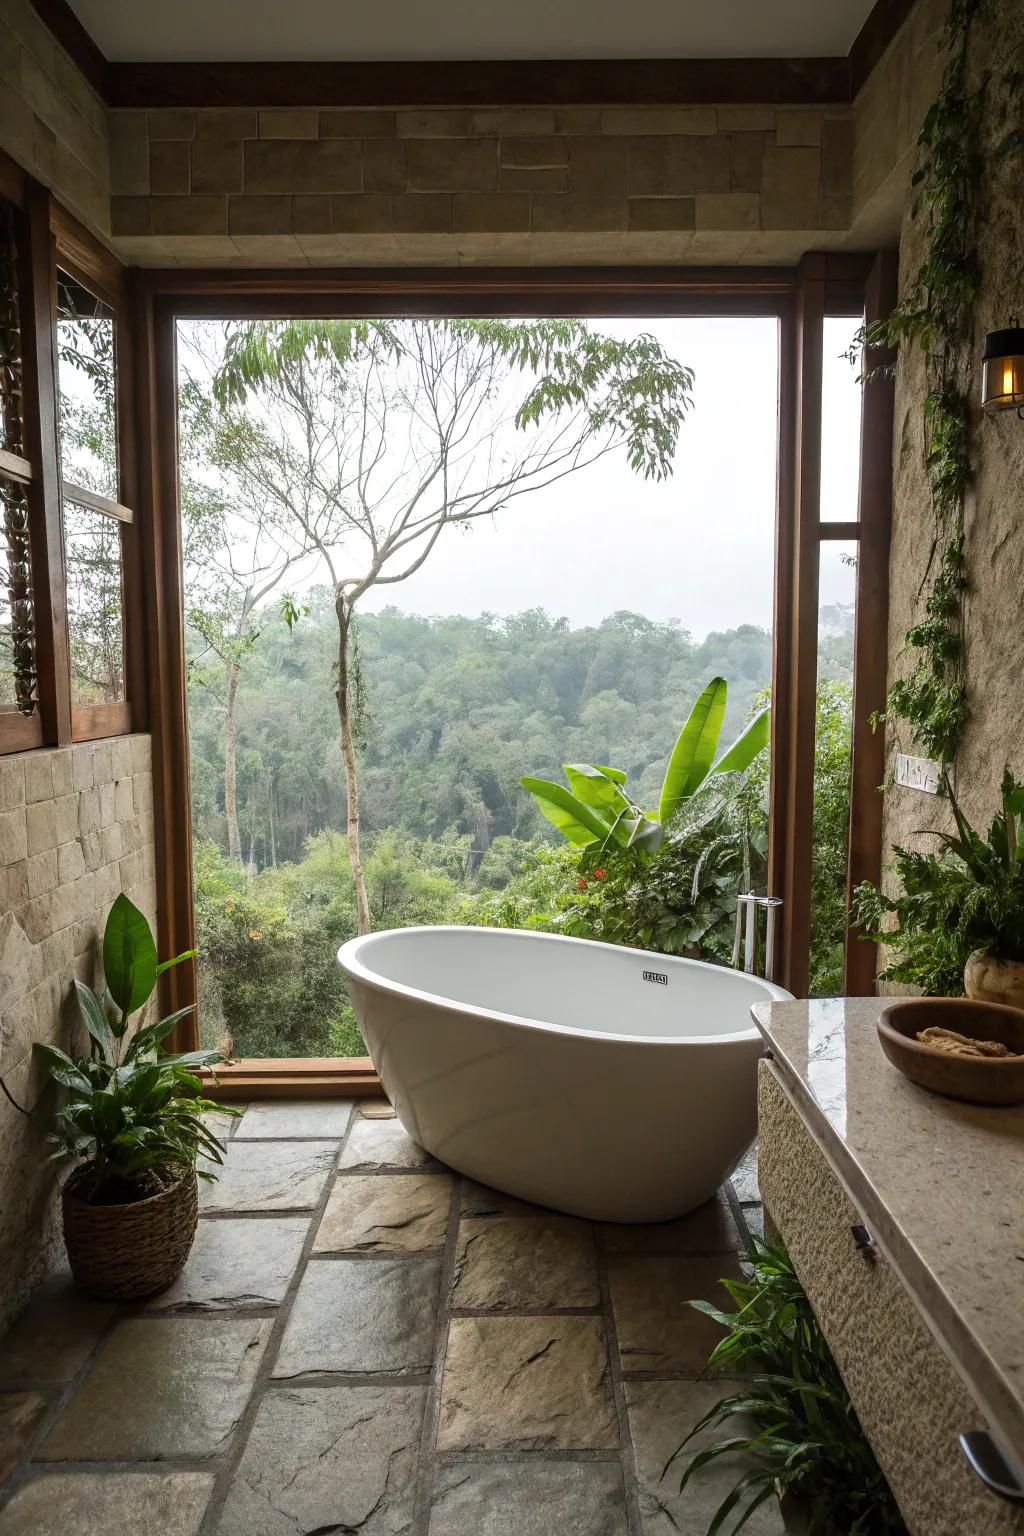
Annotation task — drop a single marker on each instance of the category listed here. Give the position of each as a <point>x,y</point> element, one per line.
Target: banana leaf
<point>751,740</point>
<point>596,788</point>
<point>578,823</point>
<point>694,750</point>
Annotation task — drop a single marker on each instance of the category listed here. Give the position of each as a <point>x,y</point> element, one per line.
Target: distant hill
<point>454,710</point>
<point>836,619</point>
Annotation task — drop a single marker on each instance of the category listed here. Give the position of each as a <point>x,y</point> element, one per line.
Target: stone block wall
<point>306,186</point>
<point>76,829</point>
<point>587,184</point>
<point>51,120</point>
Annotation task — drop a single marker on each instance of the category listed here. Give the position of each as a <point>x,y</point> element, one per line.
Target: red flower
<point>599,874</point>
<point>581,884</point>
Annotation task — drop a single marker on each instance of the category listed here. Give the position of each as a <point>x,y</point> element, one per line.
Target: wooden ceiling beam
<point>479,83</point>
<point>483,83</point>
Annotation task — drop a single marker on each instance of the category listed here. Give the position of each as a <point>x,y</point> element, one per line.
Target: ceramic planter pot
<point>990,980</point>
<point>125,1252</point>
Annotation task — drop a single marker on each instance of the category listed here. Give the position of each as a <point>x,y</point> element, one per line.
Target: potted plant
<point>131,1118</point>
<point>960,913</point>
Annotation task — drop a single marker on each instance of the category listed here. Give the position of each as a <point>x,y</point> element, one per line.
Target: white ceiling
<point>194,30</point>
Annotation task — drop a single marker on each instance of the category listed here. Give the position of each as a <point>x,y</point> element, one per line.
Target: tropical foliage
<point>453,706</point>
<point>968,896</point>
<point>363,442</point>
<point>936,314</point>
<point>791,1419</point>
<point>454,710</point>
<point>597,812</point>
<point>132,1113</point>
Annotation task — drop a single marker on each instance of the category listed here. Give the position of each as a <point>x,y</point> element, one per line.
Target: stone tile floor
<point>363,1341</point>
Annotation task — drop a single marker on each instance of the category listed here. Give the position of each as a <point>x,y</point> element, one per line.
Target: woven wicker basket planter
<point>124,1252</point>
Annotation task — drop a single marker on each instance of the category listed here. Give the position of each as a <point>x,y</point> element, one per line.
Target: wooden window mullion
<point>133,593</point>
<point>870,652</point>
<point>795,669</point>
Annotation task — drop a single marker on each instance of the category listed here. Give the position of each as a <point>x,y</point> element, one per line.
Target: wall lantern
<point>1002,378</point>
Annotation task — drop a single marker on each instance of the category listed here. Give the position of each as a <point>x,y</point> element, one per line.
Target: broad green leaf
<point>577,822</point>
<point>129,957</point>
<point>694,750</point>
<point>208,1058</point>
<point>752,740</point>
<point>624,827</point>
<point>96,1021</point>
<point>593,786</point>
<point>151,1036</point>
<point>165,965</point>
<point>616,775</point>
<point>62,1069</point>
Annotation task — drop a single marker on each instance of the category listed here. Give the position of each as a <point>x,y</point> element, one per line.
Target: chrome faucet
<point>747,906</point>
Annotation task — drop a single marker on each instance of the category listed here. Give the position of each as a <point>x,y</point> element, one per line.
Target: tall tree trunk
<point>230,771</point>
<point>348,757</point>
<point>273,828</point>
<point>250,868</point>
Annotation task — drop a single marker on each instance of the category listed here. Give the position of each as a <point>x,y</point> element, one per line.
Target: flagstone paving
<point>386,1213</point>
<point>364,1341</point>
<point>287,1119</point>
<point>240,1263</point>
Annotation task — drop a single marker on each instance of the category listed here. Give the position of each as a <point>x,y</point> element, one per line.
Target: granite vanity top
<point>940,1184</point>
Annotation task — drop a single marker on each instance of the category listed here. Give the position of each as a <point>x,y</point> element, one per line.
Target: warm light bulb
<point>1008,378</point>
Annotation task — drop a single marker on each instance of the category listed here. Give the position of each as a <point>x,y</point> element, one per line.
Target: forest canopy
<point>452,711</point>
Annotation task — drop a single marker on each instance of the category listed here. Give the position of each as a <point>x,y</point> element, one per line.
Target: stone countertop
<point>940,1185</point>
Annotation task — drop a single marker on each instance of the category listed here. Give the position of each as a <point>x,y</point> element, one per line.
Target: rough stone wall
<point>888,113</point>
<point>76,829</point>
<point>995,506</point>
<point>51,120</point>
<point>308,186</point>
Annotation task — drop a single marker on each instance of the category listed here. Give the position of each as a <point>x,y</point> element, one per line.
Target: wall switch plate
<point>918,773</point>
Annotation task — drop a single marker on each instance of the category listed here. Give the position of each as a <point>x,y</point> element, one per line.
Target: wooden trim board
<point>341,1077</point>
<point>143,85</point>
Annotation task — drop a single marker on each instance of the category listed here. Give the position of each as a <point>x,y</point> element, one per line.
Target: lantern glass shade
<point>1002,381</point>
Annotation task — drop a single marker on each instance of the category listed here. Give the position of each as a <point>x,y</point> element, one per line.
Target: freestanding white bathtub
<point>607,1082</point>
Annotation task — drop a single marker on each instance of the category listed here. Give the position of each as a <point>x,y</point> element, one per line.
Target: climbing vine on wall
<point>936,313</point>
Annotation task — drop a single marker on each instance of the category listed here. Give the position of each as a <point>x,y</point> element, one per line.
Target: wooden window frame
<point>822,291</point>
<point>87,262</point>
<point>797,298</point>
<point>52,238</point>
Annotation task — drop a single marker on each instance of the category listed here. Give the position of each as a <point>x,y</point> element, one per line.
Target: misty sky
<point>697,547</point>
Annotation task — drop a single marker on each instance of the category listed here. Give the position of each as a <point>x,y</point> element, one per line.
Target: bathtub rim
<point>357,970</point>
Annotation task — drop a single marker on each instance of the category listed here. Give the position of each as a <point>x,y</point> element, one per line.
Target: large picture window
<point>99,637</point>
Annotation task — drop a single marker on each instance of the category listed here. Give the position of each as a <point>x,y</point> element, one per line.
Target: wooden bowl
<point>976,1079</point>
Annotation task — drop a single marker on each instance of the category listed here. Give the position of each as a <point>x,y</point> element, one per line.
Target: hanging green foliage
<point>936,312</point>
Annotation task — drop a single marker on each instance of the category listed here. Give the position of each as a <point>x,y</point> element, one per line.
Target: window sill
<point>310,1077</point>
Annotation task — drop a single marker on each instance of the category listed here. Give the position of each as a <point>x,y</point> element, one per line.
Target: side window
<point>93,516</point>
